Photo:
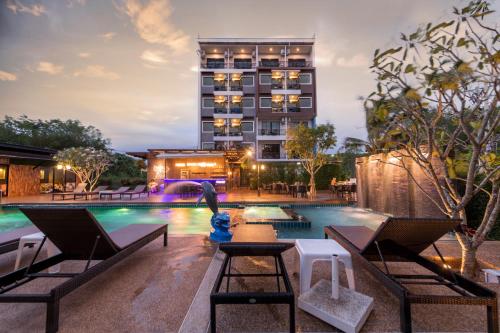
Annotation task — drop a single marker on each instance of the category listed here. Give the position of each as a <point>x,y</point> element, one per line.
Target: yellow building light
<point>293,98</point>
<point>219,99</point>
<point>220,77</point>
<point>236,99</point>
<point>277,98</point>
<point>277,75</point>
<point>293,75</point>
<point>236,76</point>
<point>180,165</point>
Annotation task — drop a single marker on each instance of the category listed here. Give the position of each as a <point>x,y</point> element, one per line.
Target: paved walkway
<point>240,196</point>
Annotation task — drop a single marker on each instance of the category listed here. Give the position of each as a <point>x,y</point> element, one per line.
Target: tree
<point>438,94</point>
<point>310,146</point>
<point>87,163</point>
<point>54,133</point>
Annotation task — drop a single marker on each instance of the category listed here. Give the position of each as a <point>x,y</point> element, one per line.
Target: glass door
<point>4,179</point>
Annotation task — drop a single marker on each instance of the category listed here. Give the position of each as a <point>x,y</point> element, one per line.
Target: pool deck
<point>238,196</point>
<point>158,289</point>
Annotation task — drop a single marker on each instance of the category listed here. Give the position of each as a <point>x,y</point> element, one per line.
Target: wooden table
<point>253,240</point>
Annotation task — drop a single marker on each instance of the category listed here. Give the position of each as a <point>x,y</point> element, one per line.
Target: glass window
<point>305,78</point>
<point>305,102</point>
<point>265,102</point>
<point>207,145</point>
<point>265,78</point>
<point>247,80</point>
<point>208,126</point>
<point>248,102</point>
<point>247,126</point>
<point>207,80</point>
<point>208,102</point>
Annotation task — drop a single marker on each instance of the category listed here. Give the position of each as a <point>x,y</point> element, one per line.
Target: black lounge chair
<point>96,191</point>
<point>403,239</point>
<point>79,237</point>
<point>9,241</point>
<point>80,188</point>
<point>138,190</point>
<point>110,193</point>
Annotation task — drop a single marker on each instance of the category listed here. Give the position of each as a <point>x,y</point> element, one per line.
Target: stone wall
<point>23,180</point>
<point>385,187</point>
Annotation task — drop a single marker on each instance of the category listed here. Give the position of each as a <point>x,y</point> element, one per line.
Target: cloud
<point>152,22</point>
<point>108,35</point>
<point>18,7</point>
<point>72,3</point>
<point>97,71</point>
<point>49,68</point>
<point>358,60</point>
<point>6,76</point>
<point>84,54</point>
<point>154,56</point>
<point>324,55</point>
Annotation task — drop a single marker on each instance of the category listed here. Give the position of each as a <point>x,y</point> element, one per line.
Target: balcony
<point>236,87</point>
<point>220,109</point>
<point>295,85</point>
<point>220,87</point>
<point>277,109</point>
<point>272,131</point>
<point>221,65</point>
<point>212,65</point>
<point>236,110</point>
<point>292,108</point>
<point>290,63</point>
<point>277,84</point>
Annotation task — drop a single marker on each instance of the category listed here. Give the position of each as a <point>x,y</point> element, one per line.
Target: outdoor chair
<point>111,193</point>
<point>80,188</point>
<point>86,195</point>
<point>139,189</point>
<point>9,241</point>
<point>77,234</point>
<point>402,240</point>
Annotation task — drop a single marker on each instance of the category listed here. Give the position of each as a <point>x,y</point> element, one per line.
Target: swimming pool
<point>197,220</point>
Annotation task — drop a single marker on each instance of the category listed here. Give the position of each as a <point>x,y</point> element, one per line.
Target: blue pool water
<point>197,220</point>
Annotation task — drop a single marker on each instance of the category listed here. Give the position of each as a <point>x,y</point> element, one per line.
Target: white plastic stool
<point>311,250</point>
<point>35,240</point>
<point>491,275</point>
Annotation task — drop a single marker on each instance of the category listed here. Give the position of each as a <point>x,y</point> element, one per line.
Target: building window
<point>207,102</point>
<point>242,63</point>
<point>305,102</point>
<point>247,126</point>
<point>207,126</point>
<point>305,78</point>
<point>248,102</point>
<point>247,80</point>
<point>265,78</point>
<point>215,62</point>
<point>266,102</point>
<point>207,81</point>
<point>208,145</point>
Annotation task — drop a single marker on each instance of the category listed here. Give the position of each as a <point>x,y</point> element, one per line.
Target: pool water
<point>197,220</point>
<point>259,213</point>
<point>324,216</point>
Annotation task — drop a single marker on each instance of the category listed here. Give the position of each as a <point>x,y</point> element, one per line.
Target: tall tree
<point>310,146</point>
<point>54,133</point>
<point>438,93</point>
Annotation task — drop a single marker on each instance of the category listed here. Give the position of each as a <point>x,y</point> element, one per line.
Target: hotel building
<point>252,91</point>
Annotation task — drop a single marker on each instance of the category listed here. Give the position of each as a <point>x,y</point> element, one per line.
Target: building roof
<point>262,40</point>
<point>22,154</point>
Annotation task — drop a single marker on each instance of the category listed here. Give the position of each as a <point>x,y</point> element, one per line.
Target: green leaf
<point>409,69</point>
<point>462,42</point>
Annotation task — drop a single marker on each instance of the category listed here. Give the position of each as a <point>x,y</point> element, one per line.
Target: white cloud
<point>152,23</point>
<point>84,54</point>
<point>6,76</point>
<point>108,35</point>
<point>18,7</point>
<point>49,68</point>
<point>97,71</point>
<point>323,55</point>
<point>154,56</point>
<point>72,3</point>
<point>358,60</point>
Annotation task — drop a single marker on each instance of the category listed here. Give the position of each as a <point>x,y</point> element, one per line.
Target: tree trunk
<point>469,262</point>
<point>312,191</point>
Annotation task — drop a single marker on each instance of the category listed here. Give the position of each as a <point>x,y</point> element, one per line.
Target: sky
<point>129,67</point>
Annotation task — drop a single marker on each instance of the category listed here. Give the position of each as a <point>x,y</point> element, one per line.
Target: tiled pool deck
<point>153,291</point>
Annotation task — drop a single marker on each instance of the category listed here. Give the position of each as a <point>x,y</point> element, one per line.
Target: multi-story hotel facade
<point>252,91</point>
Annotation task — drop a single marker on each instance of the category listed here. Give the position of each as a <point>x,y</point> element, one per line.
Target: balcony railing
<point>277,109</point>
<point>220,133</point>
<point>236,109</point>
<point>277,85</point>
<point>220,87</point>
<point>236,87</point>
<point>272,131</point>
<point>292,85</point>
<point>235,132</point>
<point>220,109</point>
<point>271,155</point>
<point>289,63</point>
<point>216,65</point>
<point>291,108</point>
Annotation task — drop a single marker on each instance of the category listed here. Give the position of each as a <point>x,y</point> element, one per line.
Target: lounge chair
<point>110,193</point>
<point>79,237</point>
<point>96,191</point>
<point>80,188</point>
<point>9,241</point>
<point>403,239</point>
<point>139,189</point>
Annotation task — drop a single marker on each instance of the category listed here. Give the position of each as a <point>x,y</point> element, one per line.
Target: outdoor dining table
<point>253,240</point>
